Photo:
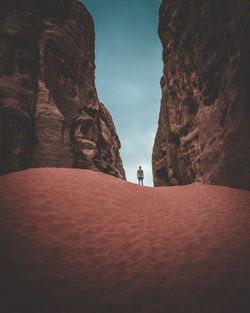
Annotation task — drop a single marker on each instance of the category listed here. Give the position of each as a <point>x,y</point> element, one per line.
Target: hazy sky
<point>128,71</point>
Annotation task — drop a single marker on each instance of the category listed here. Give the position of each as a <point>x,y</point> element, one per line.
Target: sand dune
<point>79,241</point>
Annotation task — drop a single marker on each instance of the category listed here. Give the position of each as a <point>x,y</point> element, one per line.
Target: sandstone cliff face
<point>203,132</point>
<point>50,114</point>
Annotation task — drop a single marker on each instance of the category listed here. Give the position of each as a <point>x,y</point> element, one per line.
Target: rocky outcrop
<point>50,115</point>
<point>203,133</point>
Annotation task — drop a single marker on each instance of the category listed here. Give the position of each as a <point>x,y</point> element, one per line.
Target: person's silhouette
<point>140,176</point>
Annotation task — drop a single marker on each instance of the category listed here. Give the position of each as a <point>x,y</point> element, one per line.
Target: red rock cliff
<point>203,132</point>
<point>50,115</point>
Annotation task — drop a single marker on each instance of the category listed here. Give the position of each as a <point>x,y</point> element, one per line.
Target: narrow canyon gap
<point>128,71</point>
<point>76,240</point>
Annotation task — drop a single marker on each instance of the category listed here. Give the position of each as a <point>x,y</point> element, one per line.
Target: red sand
<point>79,241</point>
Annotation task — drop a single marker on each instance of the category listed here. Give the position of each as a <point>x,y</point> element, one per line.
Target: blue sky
<point>128,71</point>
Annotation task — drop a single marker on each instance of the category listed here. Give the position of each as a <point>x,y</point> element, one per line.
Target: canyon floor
<point>75,240</point>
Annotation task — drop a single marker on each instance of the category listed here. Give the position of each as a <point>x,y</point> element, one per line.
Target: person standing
<point>140,176</point>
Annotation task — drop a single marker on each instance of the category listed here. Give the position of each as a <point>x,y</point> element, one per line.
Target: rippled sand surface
<point>77,241</point>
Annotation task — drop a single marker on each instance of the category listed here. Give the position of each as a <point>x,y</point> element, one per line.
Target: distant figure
<point>140,176</point>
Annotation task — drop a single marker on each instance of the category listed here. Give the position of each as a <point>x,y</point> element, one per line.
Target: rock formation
<point>50,115</point>
<point>203,132</point>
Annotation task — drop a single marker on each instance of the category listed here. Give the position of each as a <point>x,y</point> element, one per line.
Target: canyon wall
<point>203,132</point>
<point>50,114</point>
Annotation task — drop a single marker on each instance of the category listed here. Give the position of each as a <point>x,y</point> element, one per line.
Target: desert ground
<point>75,240</point>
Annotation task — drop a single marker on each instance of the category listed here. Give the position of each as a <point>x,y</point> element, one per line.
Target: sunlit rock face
<point>203,132</point>
<point>50,114</point>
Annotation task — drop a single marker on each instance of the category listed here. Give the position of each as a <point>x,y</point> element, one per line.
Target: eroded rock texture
<point>203,132</point>
<point>50,114</point>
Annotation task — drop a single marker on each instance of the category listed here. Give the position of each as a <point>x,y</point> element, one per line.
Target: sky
<point>128,72</point>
